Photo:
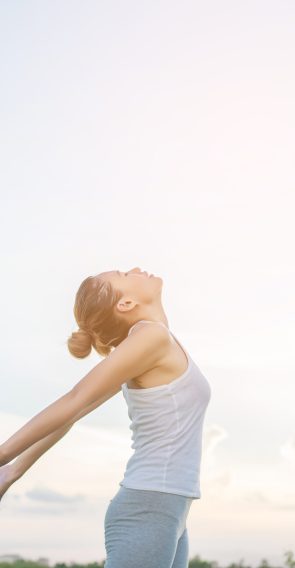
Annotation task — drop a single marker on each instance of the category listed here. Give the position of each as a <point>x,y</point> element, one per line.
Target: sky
<point>158,135</point>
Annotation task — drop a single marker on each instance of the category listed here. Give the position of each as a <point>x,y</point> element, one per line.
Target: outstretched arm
<point>45,429</point>
<point>27,458</point>
<point>136,354</point>
<point>11,472</point>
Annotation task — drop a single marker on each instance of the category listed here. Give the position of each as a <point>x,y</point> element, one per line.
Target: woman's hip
<point>140,507</point>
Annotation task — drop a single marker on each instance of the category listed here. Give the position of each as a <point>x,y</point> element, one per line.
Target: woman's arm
<point>27,458</point>
<point>134,355</point>
<point>11,472</point>
<point>61,413</point>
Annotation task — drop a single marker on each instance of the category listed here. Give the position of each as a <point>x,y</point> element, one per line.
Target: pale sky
<point>158,135</point>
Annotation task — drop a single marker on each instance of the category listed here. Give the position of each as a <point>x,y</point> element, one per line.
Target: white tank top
<point>167,423</point>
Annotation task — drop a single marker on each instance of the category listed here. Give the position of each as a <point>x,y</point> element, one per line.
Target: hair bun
<point>80,343</point>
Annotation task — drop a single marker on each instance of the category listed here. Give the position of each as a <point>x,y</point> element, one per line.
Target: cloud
<point>284,506</point>
<point>48,495</point>
<point>222,480</point>
<point>287,449</point>
<point>283,503</point>
<point>257,497</point>
<point>213,435</point>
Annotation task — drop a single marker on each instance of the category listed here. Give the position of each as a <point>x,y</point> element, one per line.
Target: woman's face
<point>136,285</point>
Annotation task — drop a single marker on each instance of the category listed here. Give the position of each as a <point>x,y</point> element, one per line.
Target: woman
<point>121,315</point>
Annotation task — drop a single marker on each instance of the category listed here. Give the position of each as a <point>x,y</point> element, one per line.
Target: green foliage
<point>195,562</point>
<point>290,560</point>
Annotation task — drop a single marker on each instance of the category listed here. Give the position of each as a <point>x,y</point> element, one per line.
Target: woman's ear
<point>125,305</point>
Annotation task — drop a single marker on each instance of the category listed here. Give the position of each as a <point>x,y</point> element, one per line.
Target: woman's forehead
<point>109,273</point>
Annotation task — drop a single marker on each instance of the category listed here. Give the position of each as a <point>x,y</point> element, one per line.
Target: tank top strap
<point>146,321</point>
<point>189,359</point>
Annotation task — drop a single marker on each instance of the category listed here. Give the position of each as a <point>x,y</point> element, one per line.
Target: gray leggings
<point>146,528</point>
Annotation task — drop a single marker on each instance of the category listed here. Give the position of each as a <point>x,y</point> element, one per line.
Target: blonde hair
<point>99,326</point>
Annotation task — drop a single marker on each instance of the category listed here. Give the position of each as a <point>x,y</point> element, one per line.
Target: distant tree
<point>290,560</point>
<point>263,563</point>
<point>197,562</point>
<point>239,564</point>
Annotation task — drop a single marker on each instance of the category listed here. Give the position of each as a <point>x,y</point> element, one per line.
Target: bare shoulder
<point>138,353</point>
<point>141,350</point>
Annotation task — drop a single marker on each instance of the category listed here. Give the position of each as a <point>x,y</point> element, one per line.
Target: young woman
<point>121,315</point>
